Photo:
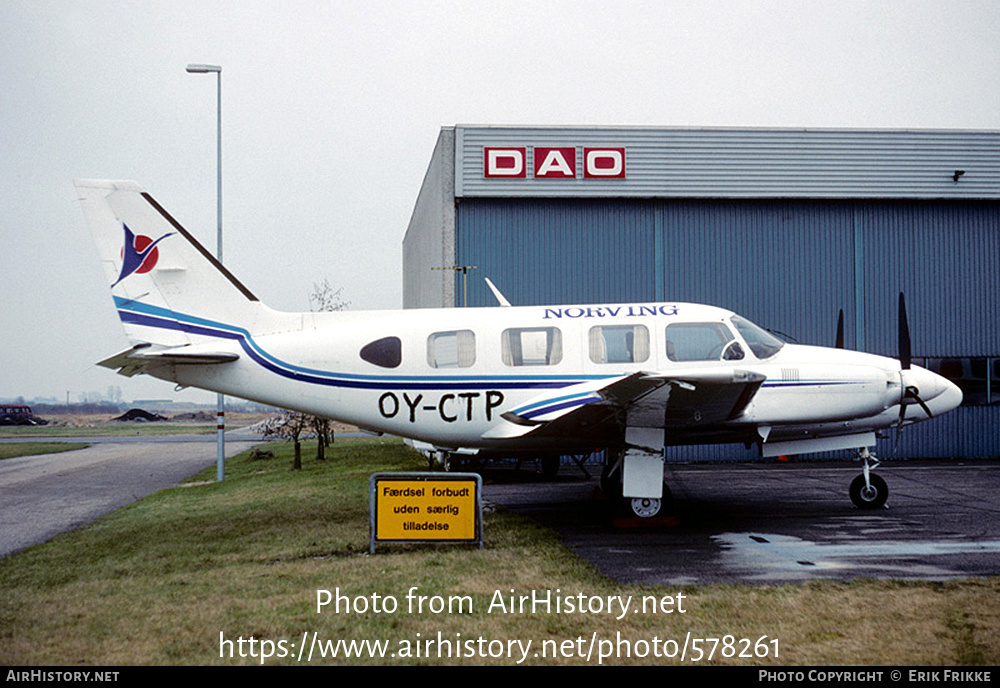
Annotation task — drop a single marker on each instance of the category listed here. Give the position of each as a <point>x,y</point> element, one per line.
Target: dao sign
<point>504,162</point>
<point>553,163</point>
<point>604,163</point>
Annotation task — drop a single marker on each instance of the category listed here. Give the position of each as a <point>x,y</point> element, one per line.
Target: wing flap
<point>687,399</point>
<point>711,396</point>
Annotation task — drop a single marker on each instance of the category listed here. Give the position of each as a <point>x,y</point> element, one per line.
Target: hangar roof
<point>655,162</point>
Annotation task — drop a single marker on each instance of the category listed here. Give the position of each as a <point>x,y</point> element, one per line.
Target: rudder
<point>164,283</point>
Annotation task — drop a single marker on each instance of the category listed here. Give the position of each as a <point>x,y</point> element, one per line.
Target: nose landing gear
<point>868,490</point>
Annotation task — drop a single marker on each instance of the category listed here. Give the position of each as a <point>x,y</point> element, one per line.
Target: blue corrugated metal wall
<point>946,258</point>
<point>786,266</point>
<point>789,265</point>
<point>556,251</point>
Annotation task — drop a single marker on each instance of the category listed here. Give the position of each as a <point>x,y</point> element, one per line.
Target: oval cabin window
<point>385,353</point>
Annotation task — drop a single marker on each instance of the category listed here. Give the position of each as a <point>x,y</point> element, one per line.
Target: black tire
<point>639,507</point>
<point>865,498</point>
<point>550,466</point>
<point>643,507</point>
<point>611,484</point>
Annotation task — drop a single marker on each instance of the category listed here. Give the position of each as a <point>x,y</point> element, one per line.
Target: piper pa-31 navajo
<point>631,378</point>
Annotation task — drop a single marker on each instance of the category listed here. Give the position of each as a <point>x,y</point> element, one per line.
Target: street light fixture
<point>220,406</point>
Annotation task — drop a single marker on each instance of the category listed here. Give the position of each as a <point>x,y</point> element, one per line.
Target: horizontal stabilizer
<point>141,356</point>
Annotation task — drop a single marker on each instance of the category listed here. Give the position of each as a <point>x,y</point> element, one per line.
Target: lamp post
<point>220,405</point>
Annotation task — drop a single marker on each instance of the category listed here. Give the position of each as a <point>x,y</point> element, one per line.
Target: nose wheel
<point>871,494</point>
<point>868,490</point>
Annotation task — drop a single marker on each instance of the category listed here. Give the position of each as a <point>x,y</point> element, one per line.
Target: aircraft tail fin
<point>168,289</point>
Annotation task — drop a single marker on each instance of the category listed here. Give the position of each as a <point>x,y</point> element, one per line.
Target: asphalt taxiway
<point>42,496</point>
<point>768,523</point>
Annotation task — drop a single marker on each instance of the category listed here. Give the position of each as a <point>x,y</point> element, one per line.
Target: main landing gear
<point>868,490</point>
<point>645,507</point>
<point>633,507</point>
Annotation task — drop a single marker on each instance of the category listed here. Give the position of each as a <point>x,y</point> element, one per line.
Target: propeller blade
<point>840,330</point>
<point>914,393</point>
<point>904,335</point>
<point>909,392</point>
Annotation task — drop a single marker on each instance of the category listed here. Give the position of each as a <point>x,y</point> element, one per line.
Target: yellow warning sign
<point>426,507</point>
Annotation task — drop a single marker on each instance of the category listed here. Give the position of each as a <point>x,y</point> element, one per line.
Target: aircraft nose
<point>939,393</point>
<point>949,398</point>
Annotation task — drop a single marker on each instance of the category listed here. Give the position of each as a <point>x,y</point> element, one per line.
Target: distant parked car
<point>19,414</point>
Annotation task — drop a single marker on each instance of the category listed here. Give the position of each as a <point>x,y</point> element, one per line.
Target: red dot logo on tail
<point>139,253</point>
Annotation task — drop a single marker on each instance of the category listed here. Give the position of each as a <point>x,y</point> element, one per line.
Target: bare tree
<point>325,298</point>
<point>292,425</point>
<point>324,435</point>
<point>289,425</point>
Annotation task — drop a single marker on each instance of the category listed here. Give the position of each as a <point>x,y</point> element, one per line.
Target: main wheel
<point>644,507</point>
<point>647,507</point>
<point>872,496</point>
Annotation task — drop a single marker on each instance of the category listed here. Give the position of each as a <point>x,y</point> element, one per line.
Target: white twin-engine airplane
<point>539,381</point>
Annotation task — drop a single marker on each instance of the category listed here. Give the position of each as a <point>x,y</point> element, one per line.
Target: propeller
<point>840,330</point>
<point>911,393</point>
<point>904,335</point>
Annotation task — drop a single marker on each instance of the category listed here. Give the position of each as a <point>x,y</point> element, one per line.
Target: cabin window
<point>529,346</point>
<point>455,349</point>
<point>619,344</point>
<point>701,342</point>
<point>385,353</point>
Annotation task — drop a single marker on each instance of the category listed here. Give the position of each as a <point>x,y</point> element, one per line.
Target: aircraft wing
<point>137,359</point>
<point>684,400</point>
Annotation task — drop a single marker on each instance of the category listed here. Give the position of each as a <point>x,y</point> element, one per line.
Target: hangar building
<point>784,226</point>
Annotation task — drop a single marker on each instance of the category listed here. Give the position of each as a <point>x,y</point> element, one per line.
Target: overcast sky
<point>331,111</point>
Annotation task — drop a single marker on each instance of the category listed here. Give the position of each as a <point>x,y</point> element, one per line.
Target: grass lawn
<point>235,569</point>
<point>10,450</point>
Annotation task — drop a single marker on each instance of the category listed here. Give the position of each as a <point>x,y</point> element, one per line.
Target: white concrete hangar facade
<point>784,226</point>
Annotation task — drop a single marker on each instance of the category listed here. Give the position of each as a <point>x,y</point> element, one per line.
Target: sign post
<point>425,507</point>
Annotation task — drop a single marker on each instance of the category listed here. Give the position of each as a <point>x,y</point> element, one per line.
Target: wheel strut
<point>870,464</point>
<point>868,490</point>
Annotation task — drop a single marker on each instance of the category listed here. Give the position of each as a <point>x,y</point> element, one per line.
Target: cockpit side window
<point>762,343</point>
<point>385,353</point>
<point>701,342</point>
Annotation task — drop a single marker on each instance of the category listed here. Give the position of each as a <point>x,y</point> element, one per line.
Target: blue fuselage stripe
<point>137,313</point>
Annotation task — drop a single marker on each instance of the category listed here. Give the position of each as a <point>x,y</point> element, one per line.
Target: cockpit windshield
<point>762,343</point>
